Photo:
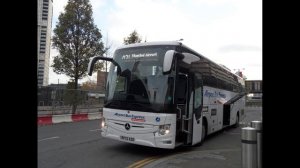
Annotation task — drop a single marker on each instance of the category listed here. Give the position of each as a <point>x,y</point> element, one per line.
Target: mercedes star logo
<point>127,126</point>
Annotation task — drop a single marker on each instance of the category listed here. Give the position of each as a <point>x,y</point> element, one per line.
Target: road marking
<point>48,138</point>
<point>153,159</point>
<point>146,162</point>
<point>96,130</point>
<point>143,162</point>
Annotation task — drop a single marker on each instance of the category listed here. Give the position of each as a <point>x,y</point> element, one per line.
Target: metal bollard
<point>258,126</point>
<point>249,147</point>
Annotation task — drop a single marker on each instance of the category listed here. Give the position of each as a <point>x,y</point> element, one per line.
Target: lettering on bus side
<point>214,94</point>
<point>135,118</point>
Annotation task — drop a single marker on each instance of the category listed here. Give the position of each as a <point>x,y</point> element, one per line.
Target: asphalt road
<point>80,145</point>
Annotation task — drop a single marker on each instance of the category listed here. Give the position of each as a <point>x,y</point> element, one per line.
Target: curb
<point>54,119</point>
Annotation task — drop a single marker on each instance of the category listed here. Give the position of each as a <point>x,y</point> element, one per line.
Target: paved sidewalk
<point>220,150</point>
<point>223,158</point>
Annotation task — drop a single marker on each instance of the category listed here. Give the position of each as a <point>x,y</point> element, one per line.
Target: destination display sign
<point>135,56</point>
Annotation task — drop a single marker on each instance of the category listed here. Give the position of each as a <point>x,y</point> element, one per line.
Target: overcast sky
<point>228,32</point>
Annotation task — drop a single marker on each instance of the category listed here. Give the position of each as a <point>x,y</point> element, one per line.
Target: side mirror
<point>94,60</point>
<point>168,60</point>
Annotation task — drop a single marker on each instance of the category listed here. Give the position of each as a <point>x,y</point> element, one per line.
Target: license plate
<point>127,138</point>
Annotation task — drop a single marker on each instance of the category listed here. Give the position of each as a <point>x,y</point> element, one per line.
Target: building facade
<point>101,81</point>
<point>253,86</point>
<point>44,27</point>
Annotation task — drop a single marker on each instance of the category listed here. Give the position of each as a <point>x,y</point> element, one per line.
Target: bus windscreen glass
<point>139,84</point>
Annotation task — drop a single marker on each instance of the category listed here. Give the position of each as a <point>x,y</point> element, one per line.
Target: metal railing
<point>61,101</point>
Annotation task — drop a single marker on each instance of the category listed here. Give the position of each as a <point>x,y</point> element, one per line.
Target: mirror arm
<point>95,59</point>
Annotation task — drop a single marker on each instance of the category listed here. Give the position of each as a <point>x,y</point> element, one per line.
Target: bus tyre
<point>237,122</point>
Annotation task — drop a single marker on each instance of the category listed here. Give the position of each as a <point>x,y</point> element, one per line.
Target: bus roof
<point>176,43</point>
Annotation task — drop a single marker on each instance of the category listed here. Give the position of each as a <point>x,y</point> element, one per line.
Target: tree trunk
<point>74,106</point>
<point>76,77</point>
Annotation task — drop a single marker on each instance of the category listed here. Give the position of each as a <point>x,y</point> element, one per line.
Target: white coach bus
<point>164,94</point>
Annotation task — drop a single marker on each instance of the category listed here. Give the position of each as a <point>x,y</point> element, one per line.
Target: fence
<point>53,101</point>
<point>253,102</point>
<point>60,101</point>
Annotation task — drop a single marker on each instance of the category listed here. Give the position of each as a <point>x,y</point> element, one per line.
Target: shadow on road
<point>144,151</point>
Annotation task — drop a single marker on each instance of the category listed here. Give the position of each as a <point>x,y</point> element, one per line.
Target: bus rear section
<point>222,108</point>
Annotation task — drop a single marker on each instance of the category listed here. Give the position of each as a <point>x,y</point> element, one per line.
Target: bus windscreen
<point>139,84</point>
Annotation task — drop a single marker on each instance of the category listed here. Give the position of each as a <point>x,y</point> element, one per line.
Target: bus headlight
<point>164,129</point>
<point>103,123</point>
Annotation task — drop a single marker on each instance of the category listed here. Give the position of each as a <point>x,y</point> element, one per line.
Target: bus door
<point>184,109</point>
